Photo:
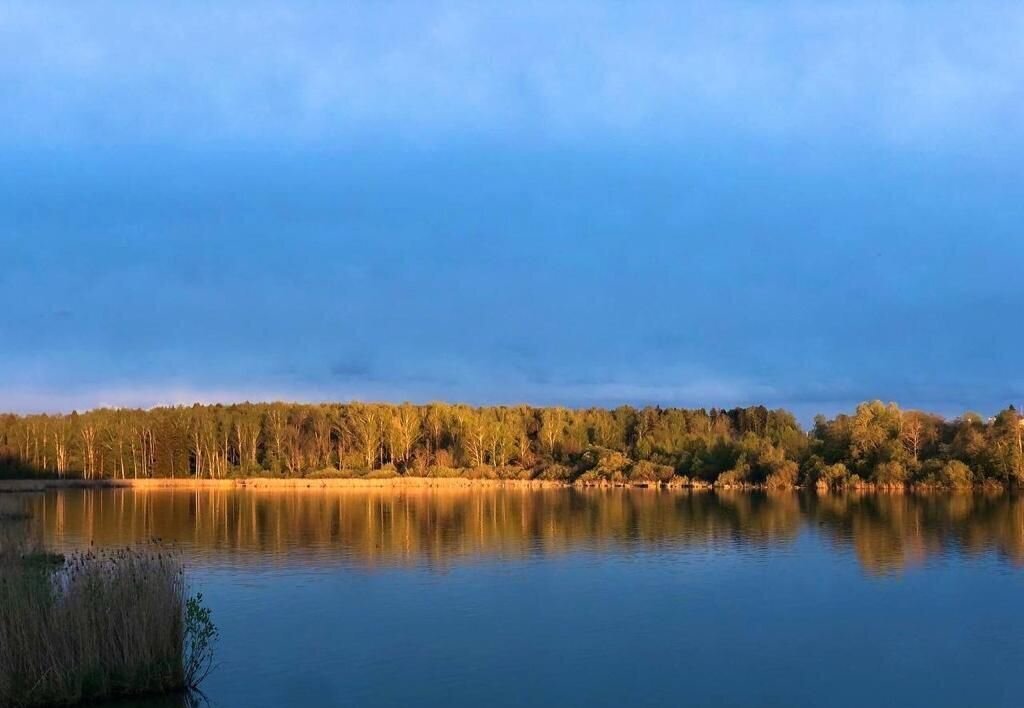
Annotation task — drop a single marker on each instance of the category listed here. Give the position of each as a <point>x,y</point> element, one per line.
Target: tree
<point>61,436</point>
<point>274,422</point>
<point>552,427</point>
<point>472,436</point>
<point>434,421</point>
<point>754,445</point>
<point>1006,447</point>
<point>367,430</point>
<point>89,457</point>
<point>911,434</point>
<point>321,430</point>
<point>247,437</point>
<point>405,432</point>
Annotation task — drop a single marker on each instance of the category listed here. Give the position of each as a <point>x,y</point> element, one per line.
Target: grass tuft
<point>98,625</point>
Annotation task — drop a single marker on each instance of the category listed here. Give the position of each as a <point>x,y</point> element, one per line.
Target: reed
<point>98,625</point>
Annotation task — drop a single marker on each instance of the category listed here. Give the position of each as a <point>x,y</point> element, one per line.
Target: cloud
<point>795,203</point>
<point>922,75</point>
<point>506,276</point>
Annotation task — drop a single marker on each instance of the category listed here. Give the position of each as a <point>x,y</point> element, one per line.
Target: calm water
<point>593,598</point>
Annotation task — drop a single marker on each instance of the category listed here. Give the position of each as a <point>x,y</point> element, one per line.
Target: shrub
<point>600,463</point>
<point>736,476</point>
<point>443,472</point>
<point>481,472</point>
<point>330,473</point>
<point>992,486</point>
<point>247,471</point>
<point>731,478</point>
<point>930,472</point>
<point>385,472</point>
<point>890,473</point>
<point>783,475</point>
<point>555,472</point>
<point>512,472</point>
<point>645,471</point>
<point>443,458</point>
<point>832,476</point>
<point>200,636</point>
<point>956,475</point>
<point>419,463</point>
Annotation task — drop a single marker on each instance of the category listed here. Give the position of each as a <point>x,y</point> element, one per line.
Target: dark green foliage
<point>200,636</point>
<point>878,444</point>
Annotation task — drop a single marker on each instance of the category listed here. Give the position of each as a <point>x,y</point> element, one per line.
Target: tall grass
<point>98,625</point>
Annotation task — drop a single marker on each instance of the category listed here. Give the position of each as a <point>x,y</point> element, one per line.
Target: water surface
<point>508,597</point>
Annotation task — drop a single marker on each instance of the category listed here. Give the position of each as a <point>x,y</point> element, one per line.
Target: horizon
<point>800,206</point>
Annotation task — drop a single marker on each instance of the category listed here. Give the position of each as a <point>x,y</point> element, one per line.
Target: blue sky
<point>801,204</point>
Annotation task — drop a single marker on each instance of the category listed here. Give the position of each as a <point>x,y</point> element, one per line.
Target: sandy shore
<point>41,485</point>
<point>32,485</point>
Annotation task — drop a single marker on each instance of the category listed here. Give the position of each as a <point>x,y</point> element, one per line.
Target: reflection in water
<point>172,700</point>
<point>890,532</point>
<point>597,596</point>
<point>441,527</point>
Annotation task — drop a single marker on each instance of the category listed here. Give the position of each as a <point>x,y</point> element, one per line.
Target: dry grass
<point>97,625</point>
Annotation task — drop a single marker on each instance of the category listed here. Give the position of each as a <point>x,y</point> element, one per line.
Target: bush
<point>443,472</point>
<point>481,472</point>
<point>419,463</point>
<point>645,471</point>
<point>555,472</point>
<point>200,636</point>
<point>736,476</point>
<point>385,472</point>
<point>443,458</point>
<point>353,461</point>
<point>247,471</point>
<point>600,463</point>
<point>512,472</point>
<point>992,486</point>
<point>732,478</point>
<point>832,476</point>
<point>890,473</point>
<point>330,473</point>
<point>784,475</point>
<point>956,475</point>
<point>930,472</point>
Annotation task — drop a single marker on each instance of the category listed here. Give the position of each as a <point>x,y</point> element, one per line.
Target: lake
<point>563,597</point>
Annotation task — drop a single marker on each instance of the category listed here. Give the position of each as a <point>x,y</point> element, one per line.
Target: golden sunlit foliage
<point>878,444</point>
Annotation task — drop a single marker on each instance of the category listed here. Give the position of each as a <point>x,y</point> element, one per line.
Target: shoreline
<point>41,485</point>
<point>11,486</point>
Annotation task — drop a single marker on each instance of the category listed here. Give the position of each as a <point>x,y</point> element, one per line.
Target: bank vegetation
<point>96,625</point>
<point>877,446</point>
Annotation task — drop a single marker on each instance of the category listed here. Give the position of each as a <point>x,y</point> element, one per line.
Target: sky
<point>801,204</point>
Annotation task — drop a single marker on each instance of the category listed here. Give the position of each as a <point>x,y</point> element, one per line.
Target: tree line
<point>879,444</point>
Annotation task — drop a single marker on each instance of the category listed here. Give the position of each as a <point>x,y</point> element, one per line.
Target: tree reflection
<point>442,527</point>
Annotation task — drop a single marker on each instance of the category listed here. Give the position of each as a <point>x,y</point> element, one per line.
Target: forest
<point>878,445</point>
